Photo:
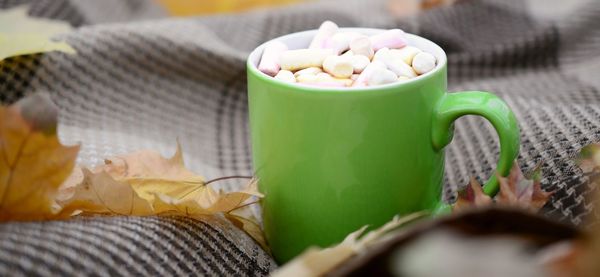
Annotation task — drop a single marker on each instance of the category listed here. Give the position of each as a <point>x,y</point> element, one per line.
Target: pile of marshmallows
<point>346,59</point>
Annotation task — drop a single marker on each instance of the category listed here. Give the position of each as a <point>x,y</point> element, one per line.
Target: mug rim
<point>253,59</point>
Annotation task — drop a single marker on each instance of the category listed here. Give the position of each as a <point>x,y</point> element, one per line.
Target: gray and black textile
<point>130,246</point>
<point>143,81</point>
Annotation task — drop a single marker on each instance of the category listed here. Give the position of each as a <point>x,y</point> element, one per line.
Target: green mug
<point>331,160</point>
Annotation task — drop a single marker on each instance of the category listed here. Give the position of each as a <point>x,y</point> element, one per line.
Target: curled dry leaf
<point>580,257</point>
<point>33,162</point>
<point>250,226</point>
<point>317,262</point>
<point>22,35</point>
<point>515,190</point>
<point>472,195</point>
<point>145,183</point>
<point>101,193</point>
<point>589,161</point>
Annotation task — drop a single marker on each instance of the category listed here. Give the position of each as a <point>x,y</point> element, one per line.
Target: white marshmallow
<point>381,54</point>
<point>381,76</point>
<point>362,46</point>
<point>406,53</point>
<point>361,80</point>
<point>323,79</point>
<point>269,61</point>
<point>338,66</point>
<point>309,71</point>
<point>423,63</point>
<point>394,63</point>
<point>286,76</point>
<point>359,63</point>
<point>340,42</point>
<point>293,60</point>
<point>354,77</point>
<point>326,30</point>
<point>399,67</point>
<point>394,38</point>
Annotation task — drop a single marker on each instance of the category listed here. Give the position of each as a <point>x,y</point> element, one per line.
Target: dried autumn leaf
<point>150,174</point>
<point>589,161</point>
<point>250,226</point>
<point>100,193</point>
<point>472,195</point>
<point>317,262</point>
<point>515,190</point>
<point>203,201</point>
<point>22,35</point>
<point>145,183</point>
<point>34,163</point>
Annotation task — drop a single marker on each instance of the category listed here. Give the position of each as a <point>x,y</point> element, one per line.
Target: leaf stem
<point>242,206</point>
<point>227,177</point>
<point>212,181</point>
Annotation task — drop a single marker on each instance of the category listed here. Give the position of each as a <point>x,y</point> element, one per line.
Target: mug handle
<point>491,107</point>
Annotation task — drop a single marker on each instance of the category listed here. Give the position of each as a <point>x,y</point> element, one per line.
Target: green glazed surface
<point>332,161</point>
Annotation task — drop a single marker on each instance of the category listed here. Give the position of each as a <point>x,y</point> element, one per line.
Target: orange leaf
<point>33,162</point>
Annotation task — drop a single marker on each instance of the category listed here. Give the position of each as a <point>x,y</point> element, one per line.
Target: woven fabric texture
<point>143,84</point>
<point>130,246</point>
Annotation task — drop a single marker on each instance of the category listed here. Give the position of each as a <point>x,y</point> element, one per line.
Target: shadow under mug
<point>331,160</point>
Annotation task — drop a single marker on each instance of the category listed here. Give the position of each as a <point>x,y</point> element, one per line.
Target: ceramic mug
<point>331,160</point>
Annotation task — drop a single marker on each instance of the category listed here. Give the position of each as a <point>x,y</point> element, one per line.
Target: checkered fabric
<point>140,80</point>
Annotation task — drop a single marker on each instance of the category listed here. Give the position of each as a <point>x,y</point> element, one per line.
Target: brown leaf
<point>33,162</point>
<point>471,195</point>
<point>515,190</point>
<point>562,258</point>
<point>589,161</point>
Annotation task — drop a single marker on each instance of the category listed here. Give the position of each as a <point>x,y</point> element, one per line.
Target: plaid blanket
<point>140,80</point>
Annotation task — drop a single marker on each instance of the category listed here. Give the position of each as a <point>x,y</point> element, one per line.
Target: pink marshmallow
<point>394,38</point>
<point>269,62</point>
<point>326,30</point>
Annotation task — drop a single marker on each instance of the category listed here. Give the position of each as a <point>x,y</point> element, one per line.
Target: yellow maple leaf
<point>187,8</point>
<point>22,35</point>
<point>145,183</point>
<point>101,193</point>
<point>33,162</point>
<point>148,173</point>
<point>205,200</point>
